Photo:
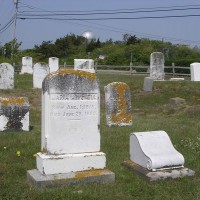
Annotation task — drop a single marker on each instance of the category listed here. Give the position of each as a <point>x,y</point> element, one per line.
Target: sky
<point>107,19</point>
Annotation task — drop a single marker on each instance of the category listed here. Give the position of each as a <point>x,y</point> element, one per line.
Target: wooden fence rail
<point>169,70</point>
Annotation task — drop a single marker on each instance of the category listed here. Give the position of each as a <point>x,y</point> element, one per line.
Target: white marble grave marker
<point>40,71</point>
<point>27,65</point>
<point>195,71</point>
<point>14,114</point>
<point>118,104</point>
<point>157,66</point>
<point>154,150</point>
<point>84,64</point>
<point>70,123</point>
<point>6,76</point>
<point>53,64</point>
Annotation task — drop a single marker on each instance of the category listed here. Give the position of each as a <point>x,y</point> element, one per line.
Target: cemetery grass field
<point>151,111</point>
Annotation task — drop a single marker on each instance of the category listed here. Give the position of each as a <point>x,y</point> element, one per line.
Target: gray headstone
<point>118,104</point>
<point>14,114</point>
<point>148,84</point>
<point>157,66</point>
<point>6,76</point>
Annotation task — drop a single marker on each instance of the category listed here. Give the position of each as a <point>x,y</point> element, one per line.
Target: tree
<point>11,47</point>
<point>130,39</point>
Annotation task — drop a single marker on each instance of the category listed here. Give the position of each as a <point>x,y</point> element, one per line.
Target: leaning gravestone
<point>154,157</point>
<point>6,76</point>
<point>70,152</point>
<point>53,64</point>
<point>118,104</point>
<point>84,64</point>
<point>40,71</point>
<point>14,114</point>
<point>195,71</point>
<point>157,66</point>
<point>27,65</point>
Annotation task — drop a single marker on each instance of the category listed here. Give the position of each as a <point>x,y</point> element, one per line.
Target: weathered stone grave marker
<point>6,76</point>
<point>157,66</point>
<point>195,71</point>
<point>70,131</point>
<point>53,64</point>
<point>153,156</point>
<point>148,84</point>
<point>14,114</point>
<point>40,71</point>
<point>118,104</point>
<point>27,65</point>
<point>84,64</point>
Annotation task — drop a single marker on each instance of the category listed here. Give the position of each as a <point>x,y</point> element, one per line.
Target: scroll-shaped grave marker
<point>6,76</point>
<point>40,71</point>
<point>195,71</point>
<point>14,114</point>
<point>84,64</point>
<point>153,156</point>
<point>53,64</point>
<point>118,104</point>
<point>70,131</point>
<point>157,66</point>
<point>27,65</point>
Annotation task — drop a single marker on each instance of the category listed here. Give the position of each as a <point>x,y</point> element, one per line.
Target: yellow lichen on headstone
<point>121,116</point>
<point>81,73</point>
<point>18,100</point>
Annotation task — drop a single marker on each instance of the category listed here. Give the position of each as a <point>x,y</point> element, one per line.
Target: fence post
<point>173,69</point>
<point>95,67</point>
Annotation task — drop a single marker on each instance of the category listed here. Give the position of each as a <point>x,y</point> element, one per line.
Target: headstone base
<point>160,174</point>
<point>177,79</point>
<point>65,163</point>
<point>78,178</point>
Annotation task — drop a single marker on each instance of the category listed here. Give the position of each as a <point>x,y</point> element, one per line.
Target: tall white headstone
<point>157,66</point>
<point>195,71</point>
<point>40,71</point>
<point>27,65</point>
<point>53,64</point>
<point>84,64</point>
<point>6,76</point>
<point>70,123</point>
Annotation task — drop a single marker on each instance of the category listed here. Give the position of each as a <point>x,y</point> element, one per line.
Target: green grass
<point>150,111</point>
